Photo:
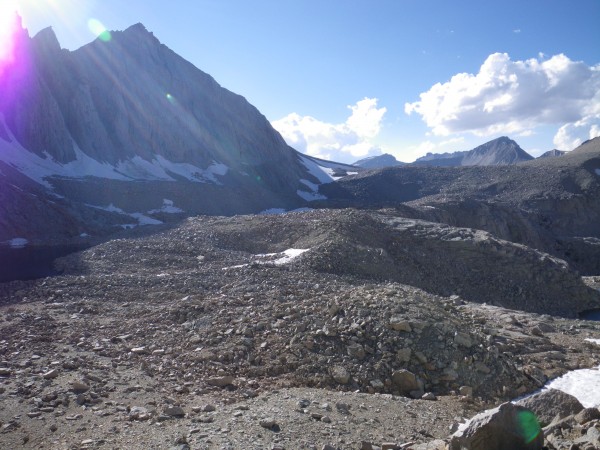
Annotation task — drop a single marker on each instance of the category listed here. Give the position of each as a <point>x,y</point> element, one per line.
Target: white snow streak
<point>18,242</point>
<point>141,218</point>
<point>168,207</point>
<point>283,257</point>
<point>289,255</point>
<point>315,170</point>
<point>159,169</point>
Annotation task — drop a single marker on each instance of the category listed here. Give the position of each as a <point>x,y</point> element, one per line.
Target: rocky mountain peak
<point>46,40</point>
<point>499,151</point>
<point>375,162</point>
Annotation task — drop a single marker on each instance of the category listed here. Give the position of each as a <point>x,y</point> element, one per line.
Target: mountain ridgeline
<point>127,126</point>
<point>500,151</point>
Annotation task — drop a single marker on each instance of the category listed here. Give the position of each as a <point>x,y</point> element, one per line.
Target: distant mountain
<point>552,153</point>
<point>123,132</point>
<point>377,162</point>
<point>498,152</point>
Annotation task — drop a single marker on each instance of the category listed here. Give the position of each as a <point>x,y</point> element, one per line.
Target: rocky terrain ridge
<point>551,204</point>
<point>281,331</point>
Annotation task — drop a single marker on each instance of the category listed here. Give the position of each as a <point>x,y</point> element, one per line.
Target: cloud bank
<point>510,97</point>
<point>346,141</point>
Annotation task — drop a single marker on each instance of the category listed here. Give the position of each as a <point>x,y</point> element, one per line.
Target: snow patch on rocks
<point>18,242</point>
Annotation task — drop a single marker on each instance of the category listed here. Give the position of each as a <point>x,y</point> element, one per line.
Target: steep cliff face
<point>127,124</point>
<point>132,96</point>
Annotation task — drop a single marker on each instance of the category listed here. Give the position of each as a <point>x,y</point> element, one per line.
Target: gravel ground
<point>209,335</point>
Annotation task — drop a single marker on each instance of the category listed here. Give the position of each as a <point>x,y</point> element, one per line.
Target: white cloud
<point>346,141</point>
<point>572,135</point>
<point>507,97</point>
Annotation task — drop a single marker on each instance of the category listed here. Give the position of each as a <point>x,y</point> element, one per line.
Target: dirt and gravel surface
<point>221,333</point>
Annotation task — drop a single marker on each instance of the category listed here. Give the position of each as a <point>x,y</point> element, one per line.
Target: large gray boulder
<point>508,426</point>
<point>551,403</point>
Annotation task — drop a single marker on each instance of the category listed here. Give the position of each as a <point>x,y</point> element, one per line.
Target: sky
<point>348,79</point>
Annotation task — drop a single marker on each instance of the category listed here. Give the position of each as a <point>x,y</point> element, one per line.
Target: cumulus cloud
<point>510,97</point>
<point>572,135</point>
<point>350,140</point>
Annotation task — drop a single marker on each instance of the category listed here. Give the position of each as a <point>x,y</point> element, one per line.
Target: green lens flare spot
<point>99,30</point>
<point>528,426</point>
<point>170,98</point>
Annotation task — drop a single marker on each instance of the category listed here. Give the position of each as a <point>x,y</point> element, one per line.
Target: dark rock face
<point>377,162</point>
<point>501,151</point>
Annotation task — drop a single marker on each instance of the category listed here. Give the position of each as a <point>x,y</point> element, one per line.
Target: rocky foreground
<point>326,329</point>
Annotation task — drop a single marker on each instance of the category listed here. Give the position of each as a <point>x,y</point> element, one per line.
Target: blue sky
<point>344,79</point>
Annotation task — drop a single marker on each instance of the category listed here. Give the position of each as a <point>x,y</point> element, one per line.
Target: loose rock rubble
<point>210,336</point>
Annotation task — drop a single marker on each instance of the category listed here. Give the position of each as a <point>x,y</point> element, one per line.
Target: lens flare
<point>99,30</point>
<point>528,425</point>
<point>9,26</point>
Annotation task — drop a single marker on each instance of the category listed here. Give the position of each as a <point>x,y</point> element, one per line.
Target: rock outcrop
<point>551,404</point>
<point>505,427</point>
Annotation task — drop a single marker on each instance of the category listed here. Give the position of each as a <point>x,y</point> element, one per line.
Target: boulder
<point>340,375</point>
<point>551,403</point>
<point>406,381</point>
<point>508,426</point>
<point>587,415</point>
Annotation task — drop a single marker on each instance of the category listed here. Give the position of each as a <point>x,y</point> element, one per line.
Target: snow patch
<point>310,196</point>
<point>583,384</point>
<point>18,242</point>
<point>597,172</point>
<point>316,171</point>
<point>282,258</point>
<point>167,207</point>
<point>593,341</point>
<point>289,255</point>
<point>159,169</point>
<point>141,218</point>
<point>145,220</point>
